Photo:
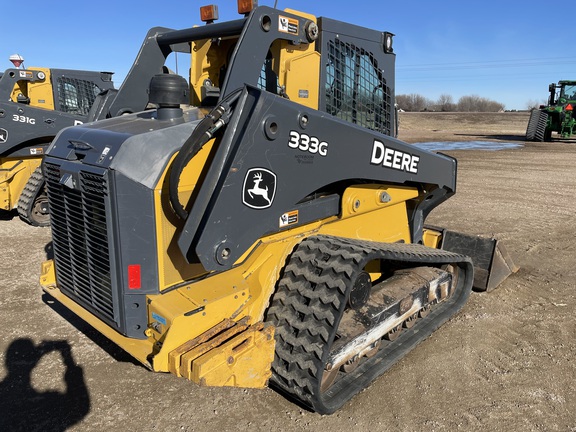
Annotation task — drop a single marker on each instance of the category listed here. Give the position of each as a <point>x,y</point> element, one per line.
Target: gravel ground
<point>504,363</point>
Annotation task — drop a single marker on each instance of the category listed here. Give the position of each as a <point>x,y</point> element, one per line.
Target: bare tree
<point>475,103</point>
<point>534,104</point>
<point>471,103</point>
<point>446,103</point>
<point>412,102</point>
<point>468,103</point>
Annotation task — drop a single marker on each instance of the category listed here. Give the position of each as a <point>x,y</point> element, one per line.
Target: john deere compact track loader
<point>272,231</point>
<point>35,103</point>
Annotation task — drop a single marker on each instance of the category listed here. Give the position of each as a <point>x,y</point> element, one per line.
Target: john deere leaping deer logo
<point>259,188</point>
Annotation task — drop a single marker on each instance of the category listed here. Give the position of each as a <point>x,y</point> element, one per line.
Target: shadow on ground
<point>83,327</point>
<point>8,215</point>
<point>495,136</point>
<point>25,408</point>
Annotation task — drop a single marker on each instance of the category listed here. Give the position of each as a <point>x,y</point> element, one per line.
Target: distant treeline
<point>416,102</point>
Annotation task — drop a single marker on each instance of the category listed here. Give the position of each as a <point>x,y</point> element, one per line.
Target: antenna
<point>275,4</point>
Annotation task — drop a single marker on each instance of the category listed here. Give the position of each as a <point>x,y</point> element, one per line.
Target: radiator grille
<point>78,218</point>
<point>356,90</point>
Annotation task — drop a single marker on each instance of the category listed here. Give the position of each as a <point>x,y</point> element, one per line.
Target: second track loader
<point>36,103</point>
<point>263,225</point>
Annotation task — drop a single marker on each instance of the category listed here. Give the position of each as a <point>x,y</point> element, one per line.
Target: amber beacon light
<point>209,14</point>
<point>246,6</point>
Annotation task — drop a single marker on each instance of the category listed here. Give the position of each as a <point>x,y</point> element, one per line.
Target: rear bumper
<point>141,350</point>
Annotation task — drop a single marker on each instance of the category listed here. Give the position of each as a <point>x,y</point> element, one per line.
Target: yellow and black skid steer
<point>263,225</point>
<point>35,103</point>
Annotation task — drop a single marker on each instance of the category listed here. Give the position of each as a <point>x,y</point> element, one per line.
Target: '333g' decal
<point>307,143</point>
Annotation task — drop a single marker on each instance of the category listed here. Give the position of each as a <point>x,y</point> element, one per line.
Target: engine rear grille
<point>81,252</point>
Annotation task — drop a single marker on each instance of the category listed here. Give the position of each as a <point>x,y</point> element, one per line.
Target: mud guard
<point>492,262</point>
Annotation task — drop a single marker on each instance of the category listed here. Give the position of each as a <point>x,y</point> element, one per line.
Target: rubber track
<point>28,196</point>
<point>540,133</point>
<point>310,299</point>
<point>532,125</point>
<point>536,130</point>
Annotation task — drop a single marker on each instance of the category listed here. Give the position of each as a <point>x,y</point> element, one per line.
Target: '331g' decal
<point>23,119</point>
<point>307,143</point>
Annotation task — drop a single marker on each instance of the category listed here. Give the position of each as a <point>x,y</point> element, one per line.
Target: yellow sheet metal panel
<point>244,361</point>
<point>431,238</point>
<point>229,354</point>
<point>225,301</point>
<point>373,212</point>
<point>47,275</point>
<point>235,294</point>
<point>162,310</point>
<point>172,266</point>
<point>366,198</point>
<point>388,225</point>
<point>298,69</point>
<point>40,92</point>
<point>20,88</point>
<point>14,174</point>
<point>295,65</point>
<point>208,61</point>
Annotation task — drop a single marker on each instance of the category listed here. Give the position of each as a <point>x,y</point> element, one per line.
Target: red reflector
<point>134,277</point>
<point>569,107</point>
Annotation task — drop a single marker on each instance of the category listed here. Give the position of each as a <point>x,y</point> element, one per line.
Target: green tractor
<point>557,116</point>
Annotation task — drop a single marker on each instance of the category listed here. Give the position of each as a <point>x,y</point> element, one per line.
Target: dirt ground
<point>504,363</point>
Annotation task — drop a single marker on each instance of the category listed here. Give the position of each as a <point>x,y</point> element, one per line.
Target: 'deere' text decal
<point>392,158</point>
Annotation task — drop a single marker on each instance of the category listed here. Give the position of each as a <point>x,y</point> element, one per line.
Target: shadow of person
<point>23,408</point>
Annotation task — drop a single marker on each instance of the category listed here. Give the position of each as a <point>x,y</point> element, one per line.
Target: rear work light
<point>209,14</point>
<point>246,6</point>
<point>388,42</point>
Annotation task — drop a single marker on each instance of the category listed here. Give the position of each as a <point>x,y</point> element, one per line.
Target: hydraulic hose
<point>205,130</point>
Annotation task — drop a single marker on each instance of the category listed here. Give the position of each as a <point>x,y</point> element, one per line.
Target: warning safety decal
<point>288,25</point>
<point>289,218</point>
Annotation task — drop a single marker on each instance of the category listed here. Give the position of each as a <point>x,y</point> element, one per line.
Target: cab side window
<point>355,88</point>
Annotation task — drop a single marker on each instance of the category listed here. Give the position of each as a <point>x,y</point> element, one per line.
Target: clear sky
<point>503,50</point>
